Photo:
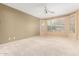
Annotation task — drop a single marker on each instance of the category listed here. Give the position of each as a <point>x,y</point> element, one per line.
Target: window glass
<point>72,23</point>
<point>56,25</point>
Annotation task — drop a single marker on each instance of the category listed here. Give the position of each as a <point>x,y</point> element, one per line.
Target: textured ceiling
<point>37,9</point>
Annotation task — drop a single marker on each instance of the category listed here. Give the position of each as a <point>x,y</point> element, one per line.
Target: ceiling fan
<point>46,10</point>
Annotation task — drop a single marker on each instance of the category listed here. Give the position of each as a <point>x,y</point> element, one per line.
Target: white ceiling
<point>37,9</point>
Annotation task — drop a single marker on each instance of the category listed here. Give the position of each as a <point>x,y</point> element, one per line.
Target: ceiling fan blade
<point>45,10</point>
<point>50,11</point>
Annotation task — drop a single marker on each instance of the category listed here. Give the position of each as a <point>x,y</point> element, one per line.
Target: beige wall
<point>66,33</point>
<point>16,25</point>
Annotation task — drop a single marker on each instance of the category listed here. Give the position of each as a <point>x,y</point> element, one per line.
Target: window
<point>56,25</point>
<point>72,23</point>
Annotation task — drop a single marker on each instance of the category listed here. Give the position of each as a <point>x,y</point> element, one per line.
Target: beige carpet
<point>41,46</point>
